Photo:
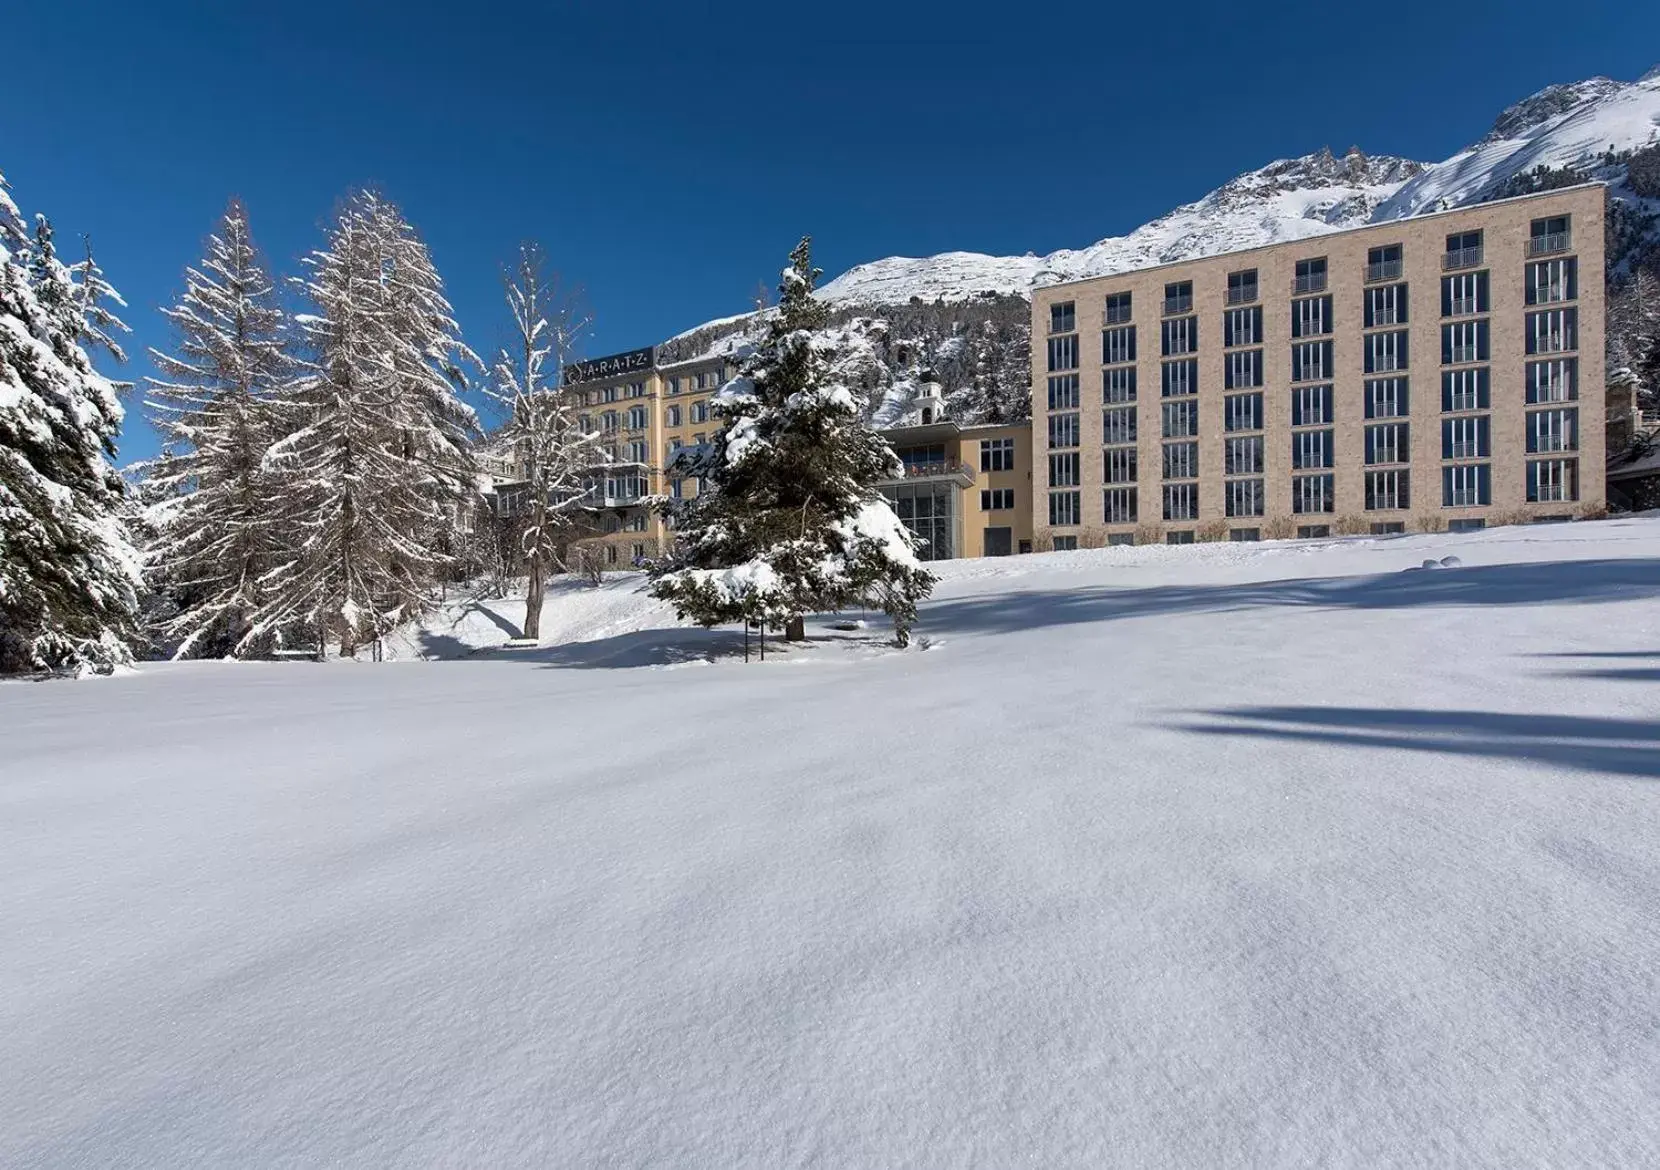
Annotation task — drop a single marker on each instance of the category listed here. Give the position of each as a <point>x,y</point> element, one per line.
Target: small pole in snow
<point>746,639</point>
<point>761,628</point>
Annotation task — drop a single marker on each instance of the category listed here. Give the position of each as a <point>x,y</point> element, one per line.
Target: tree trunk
<point>533,596</point>
<point>795,630</point>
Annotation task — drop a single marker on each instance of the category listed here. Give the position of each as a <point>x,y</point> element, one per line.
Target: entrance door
<point>999,542</point>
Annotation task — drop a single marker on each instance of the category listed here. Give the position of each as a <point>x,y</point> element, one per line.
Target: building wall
<point>976,519</point>
<point>1505,226</point>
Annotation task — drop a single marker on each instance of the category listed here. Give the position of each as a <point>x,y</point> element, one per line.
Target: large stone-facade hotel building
<point>1444,370</point>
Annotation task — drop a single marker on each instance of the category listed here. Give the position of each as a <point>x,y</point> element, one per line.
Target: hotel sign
<point>635,361</point>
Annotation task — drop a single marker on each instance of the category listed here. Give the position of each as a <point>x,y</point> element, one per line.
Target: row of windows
<point>1468,485</point>
<point>1553,380</point>
<point>637,418</point>
<point>1463,294</point>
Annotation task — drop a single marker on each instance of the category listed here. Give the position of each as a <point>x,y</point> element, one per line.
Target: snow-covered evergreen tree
<point>68,573</point>
<point>377,469</point>
<point>216,528</point>
<point>792,523</point>
<point>553,452</point>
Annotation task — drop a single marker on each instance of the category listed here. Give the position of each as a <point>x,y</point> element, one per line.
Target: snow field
<point>1219,855</point>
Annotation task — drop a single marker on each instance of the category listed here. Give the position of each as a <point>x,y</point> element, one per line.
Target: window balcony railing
<point>1313,282</point>
<point>1461,258</point>
<point>939,469</point>
<point>1465,450</point>
<point>1176,305</point>
<point>1457,355</point>
<point>1242,295</point>
<point>1383,317</point>
<point>1383,270</point>
<point>1548,244</point>
<point>1063,326</point>
<point>1463,307</point>
<point>1118,316</point>
<point>1461,402</point>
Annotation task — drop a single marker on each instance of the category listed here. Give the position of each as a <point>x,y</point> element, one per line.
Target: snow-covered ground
<point>1288,854</point>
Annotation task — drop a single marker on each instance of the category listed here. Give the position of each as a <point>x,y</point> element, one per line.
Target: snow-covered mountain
<point>1562,126</point>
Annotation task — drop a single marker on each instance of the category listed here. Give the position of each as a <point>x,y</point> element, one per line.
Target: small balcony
<point>1116,315</point>
<point>1175,306</point>
<point>1460,258</point>
<point>1548,244</point>
<point>953,470</point>
<point>1312,282</point>
<point>1463,307</point>
<point>1242,295</point>
<point>1382,271</point>
<point>1458,355</point>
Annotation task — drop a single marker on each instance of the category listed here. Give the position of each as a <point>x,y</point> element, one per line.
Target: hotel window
<point>1181,461</point>
<point>997,500</point>
<point>1550,281</point>
<point>1179,335</point>
<point>1063,353</point>
<point>1181,501</point>
<point>675,444</point>
<point>636,389</point>
<point>1386,398</point>
<point>1063,392</point>
<point>608,420</point>
<point>996,454</point>
<point>1464,295</point>
<point>1114,539</point>
<point>1178,297</point>
<point>1311,276</point>
<point>1118,465</point>
<point>1063,430</point>
<point>1550,480</point>
<point>586,422</point>
<point>699,439</point>
<point>636,452</point>
<point>1466,389</point>
<point>609,394</point>
<point>1388,491</point>
<point>1313,531</point>
<point>1119,505</point>
<point>636,418</point>
<point>1463,251</point>
<point>672,385</point>
<point>700,410</point>
<point>1386,306</point>
<point>1553,381</point>
<point>1311,361</point>
<point>1311,317</point>
<point>1242,326</point>
<point>1242,369</point>
<point>1242,412</point>
<point>1388,443</point>
<point>1310,406</point>
<point>1310,449</point>
<point>1118,345</point>
<point>1180,378</point>
<point>1383,263</point>
<point>1468,485</point>
<point>673,416</point>
<point>1181,420</point>
<point>1467,438</point>
<point>708,380</point>
<point>1548,235</point>
<point>1244,535</point>
<point>1064,544</point>
<point>1386,351</point>
<point>1243,497</point>
<point>1553,331</point>
<point>1242,456</point>
<point>1553,430</point>
<point>1118,385</point>
<point>1183,537</point>
<point>610,549</point>
<point>1312,493</point>
<point>1118,308</point>
<point>1463,342</point>
<point>1118,426</point>
<point>1242,287</point>
<point>677,488</point>
<point>1063,318</point>
<point>1063,509</point>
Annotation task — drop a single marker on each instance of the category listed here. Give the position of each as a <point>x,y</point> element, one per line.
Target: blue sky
<point>668,155</point>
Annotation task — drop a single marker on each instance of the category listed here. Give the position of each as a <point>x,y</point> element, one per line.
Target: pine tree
<point>217,531</point>
<point>793,524</point>
<point>68,573</point>
<point>553,451</point>
<point>376,469</point>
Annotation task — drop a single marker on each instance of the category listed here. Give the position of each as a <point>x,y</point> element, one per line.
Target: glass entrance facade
<point>928,511</point>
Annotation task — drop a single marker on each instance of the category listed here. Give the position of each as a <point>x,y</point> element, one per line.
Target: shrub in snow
<point>791,523</point>
<point>68,573</point>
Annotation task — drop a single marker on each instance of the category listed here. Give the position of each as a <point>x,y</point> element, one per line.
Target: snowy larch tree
<point>792,523</point>
<point>216,528</point>
<point>375,468</point>
<point>69,575</point>
<point>553,453</point>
